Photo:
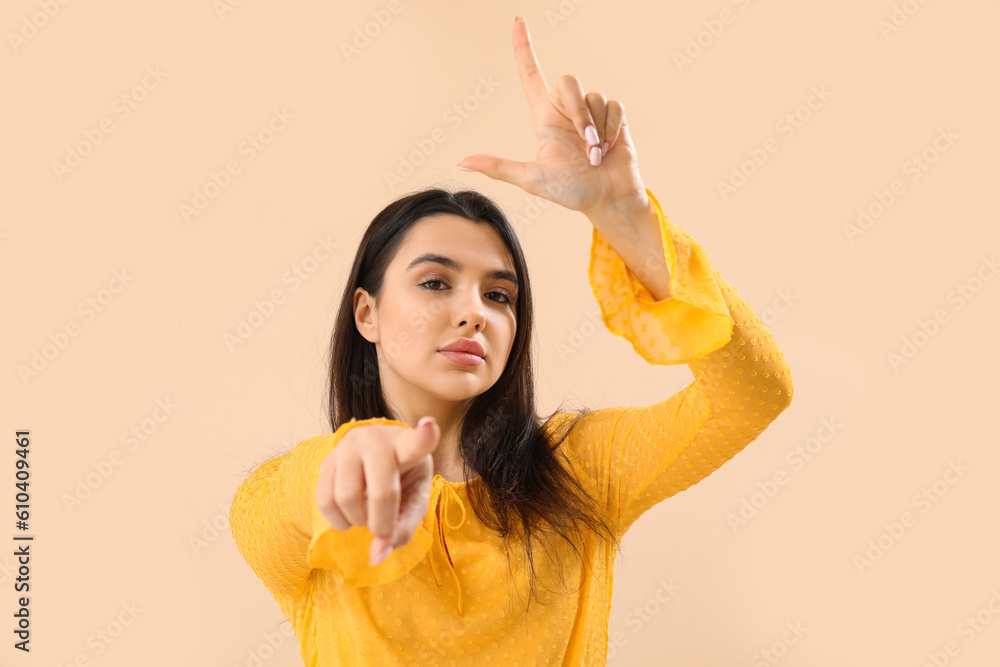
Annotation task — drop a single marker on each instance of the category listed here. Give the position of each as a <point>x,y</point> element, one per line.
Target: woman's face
<point>451,278</point>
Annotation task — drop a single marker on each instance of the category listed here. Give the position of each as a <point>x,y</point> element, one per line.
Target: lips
<point>466,345</point>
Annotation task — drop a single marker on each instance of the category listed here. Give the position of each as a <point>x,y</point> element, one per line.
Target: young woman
<point>386,540</point>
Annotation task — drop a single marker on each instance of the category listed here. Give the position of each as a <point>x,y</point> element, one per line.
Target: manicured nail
<point>424,420</point>
<point>591,134</point>
<point>595,155</point>
<point>382,557</point>
<point>464,168</point>
<point>604,148</point>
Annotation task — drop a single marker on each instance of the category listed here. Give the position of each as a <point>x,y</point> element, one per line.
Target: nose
<point>471,311</point>
<point>475,318</point>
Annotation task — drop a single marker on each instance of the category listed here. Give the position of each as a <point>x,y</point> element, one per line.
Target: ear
<point>365,317</point>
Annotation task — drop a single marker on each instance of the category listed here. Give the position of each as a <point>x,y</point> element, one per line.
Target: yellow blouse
<point>443,598</point>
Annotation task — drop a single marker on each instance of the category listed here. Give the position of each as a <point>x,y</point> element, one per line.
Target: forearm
<point>634,233</point>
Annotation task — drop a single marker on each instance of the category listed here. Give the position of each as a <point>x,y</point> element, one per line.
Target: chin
<point>456,385</point>
<point>458,393</point>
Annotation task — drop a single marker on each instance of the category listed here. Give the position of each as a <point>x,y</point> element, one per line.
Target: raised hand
<point>586,161</point>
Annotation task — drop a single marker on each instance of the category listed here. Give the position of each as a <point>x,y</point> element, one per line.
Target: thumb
<point>501,169</point>
<point>418,442</point>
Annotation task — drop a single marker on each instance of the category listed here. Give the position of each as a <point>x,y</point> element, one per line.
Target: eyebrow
<point>449,263</point>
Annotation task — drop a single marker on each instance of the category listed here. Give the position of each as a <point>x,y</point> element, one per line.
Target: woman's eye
<point>505,298</point>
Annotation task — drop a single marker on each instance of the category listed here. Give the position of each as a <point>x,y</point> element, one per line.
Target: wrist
<point>627,223</point>
<point>622,211</point>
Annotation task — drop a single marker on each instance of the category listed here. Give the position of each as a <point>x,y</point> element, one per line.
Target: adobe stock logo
<point>899,17</point>
<point>562,12</point>
<point>968,629</point>
<point>455,116</point>
<point>269,647</point>
<point>102,639</point>
<point>924,500</point>
<point>223,7</point>
<point>381,18</point>
<point>211,530</point>
<point>37,21</point>
<point>136,436</point>
<point>961,294</point>
<point>713,29</point>
<point>264,308</point>
<point>88,309</point>
<point>640,616</point>
<point>779,647</point>
<point>252,145</point>
<point>757,156</point>
<point>797,457</point>
<point>122,107</point>
<point>915,166</point>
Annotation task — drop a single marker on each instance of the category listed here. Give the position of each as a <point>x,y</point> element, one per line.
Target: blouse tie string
<point>445,494</point>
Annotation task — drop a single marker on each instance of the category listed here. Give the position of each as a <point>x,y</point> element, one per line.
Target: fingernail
<point>424,420</point>
<point>591,134</point>
<point>464,168</point>
<point>382,557</point>
<point>595,155</point>
<point>604,148</point>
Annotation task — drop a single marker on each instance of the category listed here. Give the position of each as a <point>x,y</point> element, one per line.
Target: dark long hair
<point>528,486</point>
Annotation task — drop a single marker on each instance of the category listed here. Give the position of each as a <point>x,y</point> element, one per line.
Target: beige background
<point>152,537</point>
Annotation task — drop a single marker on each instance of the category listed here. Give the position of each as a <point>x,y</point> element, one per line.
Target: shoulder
<point>581,425</point>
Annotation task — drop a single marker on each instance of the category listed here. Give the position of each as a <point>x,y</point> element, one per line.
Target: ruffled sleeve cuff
<point>692,322</point>
<point>346,551</point>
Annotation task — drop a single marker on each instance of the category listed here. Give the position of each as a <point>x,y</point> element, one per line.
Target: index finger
<point>382,486</point>
<point>527,65</point>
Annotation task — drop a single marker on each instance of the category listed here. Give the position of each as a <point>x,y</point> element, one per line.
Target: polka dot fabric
<point>444,598</point>
<point>691,323</point>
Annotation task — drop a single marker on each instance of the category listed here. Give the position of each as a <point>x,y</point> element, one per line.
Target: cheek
<point>506,329</point>
<point>423,317</point>
<point>511,324</point>
<point>398,336</point>
<point>421,330</point>
<point>412,344</point>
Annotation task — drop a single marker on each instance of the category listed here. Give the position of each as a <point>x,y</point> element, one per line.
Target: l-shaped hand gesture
<point>586,161</point>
